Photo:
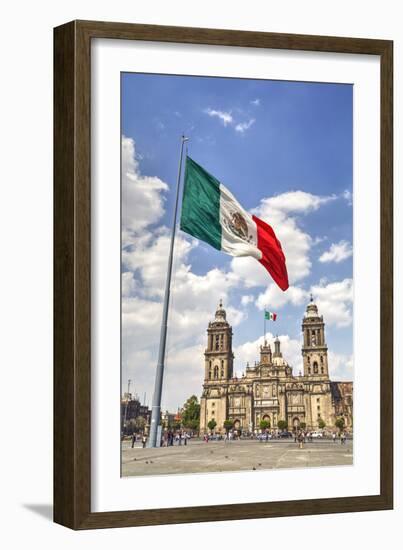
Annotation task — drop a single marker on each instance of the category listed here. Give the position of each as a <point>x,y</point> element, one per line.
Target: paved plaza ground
<point>219,456</point>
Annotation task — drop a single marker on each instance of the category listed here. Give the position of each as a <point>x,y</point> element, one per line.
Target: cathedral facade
<point>269,390</point>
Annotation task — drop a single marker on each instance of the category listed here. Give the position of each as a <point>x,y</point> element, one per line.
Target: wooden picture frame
<point>72,272</point>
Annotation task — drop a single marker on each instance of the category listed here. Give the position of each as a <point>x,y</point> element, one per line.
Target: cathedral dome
<point>279,362</point>
<point>312,309</point>
<point>220,314</point>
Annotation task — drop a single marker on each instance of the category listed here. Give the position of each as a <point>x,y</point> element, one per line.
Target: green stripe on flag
<point>266,315</point>
<point>201,205</point>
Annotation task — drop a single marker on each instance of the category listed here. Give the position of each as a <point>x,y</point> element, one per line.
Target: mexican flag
<point>212,214</point>
<point>270,316</point>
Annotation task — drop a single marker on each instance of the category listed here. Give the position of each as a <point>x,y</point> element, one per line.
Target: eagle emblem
<point>238,226</point>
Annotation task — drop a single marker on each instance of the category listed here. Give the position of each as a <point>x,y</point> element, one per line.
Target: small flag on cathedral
<point>269,315</point>
<point>211,213</point>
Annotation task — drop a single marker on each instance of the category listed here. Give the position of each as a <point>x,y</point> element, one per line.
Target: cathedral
<point>269,390</point>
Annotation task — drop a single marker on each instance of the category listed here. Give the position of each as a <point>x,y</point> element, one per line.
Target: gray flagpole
<point>159,374</point>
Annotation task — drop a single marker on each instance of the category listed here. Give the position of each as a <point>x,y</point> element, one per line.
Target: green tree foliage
<point>264,424</point>
<point>139,423</point>
<point>191,413</point>
<point>135,425</point>
<point>228,424</point>
<point>302,425</point>
<point>321,424</point>
<point>340,423</point>
<point>212,424</point>
<point>282,424</point>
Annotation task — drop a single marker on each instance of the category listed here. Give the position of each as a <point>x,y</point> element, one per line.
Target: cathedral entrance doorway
<point>267,419</point>
<point>295,423</point>
<point>237,425</point>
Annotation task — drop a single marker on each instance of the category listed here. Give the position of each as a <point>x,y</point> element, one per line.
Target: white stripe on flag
<point>239,232</point>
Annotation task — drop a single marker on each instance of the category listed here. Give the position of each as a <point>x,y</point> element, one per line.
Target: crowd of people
<point>301,437</point>
<point>170,438</point>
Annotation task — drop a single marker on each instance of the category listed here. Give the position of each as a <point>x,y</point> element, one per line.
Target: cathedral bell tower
<point>314,348</point>
<point>218,354</point>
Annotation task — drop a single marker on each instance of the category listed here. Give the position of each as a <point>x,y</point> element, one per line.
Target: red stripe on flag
<point>273,258</point>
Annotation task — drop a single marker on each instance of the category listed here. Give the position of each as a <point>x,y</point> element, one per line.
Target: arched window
<point>309,370</point>
<point>217,342</point>
<point>209,374</point>
<point>315,367</point>
<point>322,370</point>
<point>309,359</point>
<point>216,372</point>
<point>321,359</point>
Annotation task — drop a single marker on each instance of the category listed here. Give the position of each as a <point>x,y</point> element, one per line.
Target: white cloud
<point>247,299</point>
<point>129,284</point>
<point>227,119</point>
<point>348,196</point>
<point>295,201</point>
<point>256,102</point>
<point>273,296</point>
<point>337,252</point>
<point>334,301</point>
<point>142,196</point>
<point>341,367</point>
<point>241,127</point>
<point>319,240</point>
<point>224,116</point>
<point>249,352</point>
<point>148,259</point>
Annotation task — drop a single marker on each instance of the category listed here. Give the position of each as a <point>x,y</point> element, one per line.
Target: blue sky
<point>284,149</point>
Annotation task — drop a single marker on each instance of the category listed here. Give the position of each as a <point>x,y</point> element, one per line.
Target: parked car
<point>317,435</point>
<point>285,434</point>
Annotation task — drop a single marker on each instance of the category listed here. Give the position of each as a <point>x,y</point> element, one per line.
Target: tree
<point>212,424</point>
<point>228,424</point>
<point>302,425</point>
<point>139,423</point>
<point>191,413</point>
<point>264,424</point>
<point>130,426</point>
<point>339,423</point>
<point>282,425</point>
<point>321,423</point>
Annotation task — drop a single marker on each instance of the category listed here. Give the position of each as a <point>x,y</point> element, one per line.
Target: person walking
<point>300,438</point>
<point>144,441</point>
<point>334,437</point>
<point>133,439</point>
